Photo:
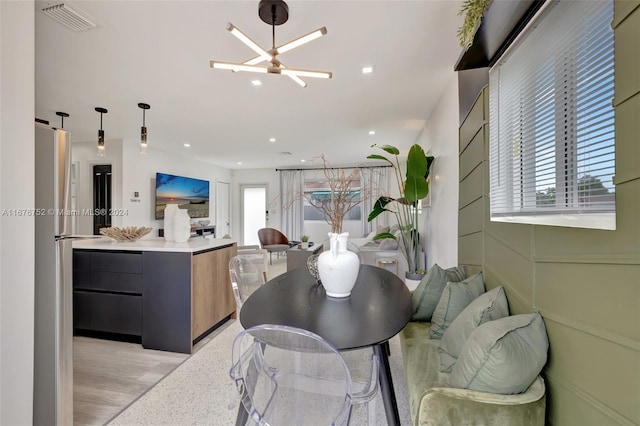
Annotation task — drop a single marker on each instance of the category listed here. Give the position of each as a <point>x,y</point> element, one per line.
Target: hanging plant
<point>473,10</point>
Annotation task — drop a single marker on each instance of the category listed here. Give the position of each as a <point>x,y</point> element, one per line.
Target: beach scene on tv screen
<point>188,193</point>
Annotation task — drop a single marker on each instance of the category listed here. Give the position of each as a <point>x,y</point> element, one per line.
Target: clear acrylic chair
<point>289,376</point>
<point>245,278</point>
<point>258,257</point>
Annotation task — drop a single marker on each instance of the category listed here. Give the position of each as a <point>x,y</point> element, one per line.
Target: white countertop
<point>194,245</point>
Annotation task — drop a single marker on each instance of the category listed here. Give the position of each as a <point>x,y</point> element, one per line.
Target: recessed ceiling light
<point>272,140</point>
<point>239,163</point>
<point>303,160</point>
<point>256,82</point>
<point>367,70</point>
<point>187,145</point>
<point>372,132</point>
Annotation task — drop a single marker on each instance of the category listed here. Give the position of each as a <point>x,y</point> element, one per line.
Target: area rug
<point>200,392</point>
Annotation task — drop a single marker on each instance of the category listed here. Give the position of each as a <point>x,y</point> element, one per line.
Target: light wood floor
<point>108,375</point>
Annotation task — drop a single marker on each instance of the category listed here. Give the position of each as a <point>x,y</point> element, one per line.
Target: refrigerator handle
<point>63,173</point>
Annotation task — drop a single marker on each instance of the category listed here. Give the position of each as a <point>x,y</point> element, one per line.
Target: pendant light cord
<point>273,27</point>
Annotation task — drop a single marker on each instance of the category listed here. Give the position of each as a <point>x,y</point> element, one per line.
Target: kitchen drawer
<point>81,260</point>
<point>116,262</point>
<point>111,313</point>
<point>81,279</point>
<point>82,307</point>
<point>116,281</point>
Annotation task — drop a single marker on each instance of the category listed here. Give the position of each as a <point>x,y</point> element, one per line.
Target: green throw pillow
<point>503,356</point>
<point>489,306</point>
<point>425,297</point>
<point>455,297</point>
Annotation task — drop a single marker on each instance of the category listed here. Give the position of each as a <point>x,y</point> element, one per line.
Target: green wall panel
<point>472,155</point>
<point>470,218</point>
<point>513,268</point>
<point>471,124</point>
<point>565,407</point>
<point>601,371</point>
<point>622,9</point>
<point>627,59</point>
<point>602,297</point>
<point>517,235</point>
<point>627,132</point>
<point>471,187</point>
<point>628,216</point>
<point>470,249</point>
<point>518,303</point>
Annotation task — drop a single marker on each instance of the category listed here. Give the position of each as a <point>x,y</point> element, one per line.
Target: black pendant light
<point>62,115</point>
<point>101,148</point>
<point>143,130</point>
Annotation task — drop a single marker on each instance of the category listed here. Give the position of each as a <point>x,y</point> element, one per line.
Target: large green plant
<point>412,188</point>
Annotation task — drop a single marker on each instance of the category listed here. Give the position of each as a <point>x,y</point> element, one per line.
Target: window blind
<point>552,121</point>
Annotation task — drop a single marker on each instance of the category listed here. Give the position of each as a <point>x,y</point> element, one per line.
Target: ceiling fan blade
<point>232,66</point>
<point>301,40</point>
<point>250,43</point>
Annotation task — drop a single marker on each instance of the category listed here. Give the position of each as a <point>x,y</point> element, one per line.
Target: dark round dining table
<point>377,309</point>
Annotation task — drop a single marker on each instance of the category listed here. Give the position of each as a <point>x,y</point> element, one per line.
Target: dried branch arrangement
<point>128,233</point>
<point>342,198</point>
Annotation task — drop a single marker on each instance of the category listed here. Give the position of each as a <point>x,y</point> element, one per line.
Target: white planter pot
<point>304,246</point>
<point>338,267</point>
<point>412,280</point>
<point>170,211</point>
<point>181,226</point>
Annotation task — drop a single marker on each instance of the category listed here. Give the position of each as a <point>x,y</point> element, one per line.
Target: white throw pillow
<point>489,306</point>
<point>455,297</point>
<point>503,356</point>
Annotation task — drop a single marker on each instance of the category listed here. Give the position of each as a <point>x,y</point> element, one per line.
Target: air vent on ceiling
<point>70,16</point>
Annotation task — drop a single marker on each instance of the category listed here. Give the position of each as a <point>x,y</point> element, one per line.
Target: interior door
<point>254,212</point>
<point>101,197</point>
<point>223,206</point>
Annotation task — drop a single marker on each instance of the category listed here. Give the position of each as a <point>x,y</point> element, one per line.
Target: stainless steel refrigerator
<point>53,358</point>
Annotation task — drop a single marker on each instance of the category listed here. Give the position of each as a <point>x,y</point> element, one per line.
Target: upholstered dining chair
<point>273,240</point>
<point>245,278</point>
<point>289,376</point>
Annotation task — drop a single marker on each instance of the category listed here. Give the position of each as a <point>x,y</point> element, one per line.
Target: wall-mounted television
<point>188,193</point>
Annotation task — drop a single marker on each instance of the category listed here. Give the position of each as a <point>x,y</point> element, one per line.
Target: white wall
<point>85,154</point>
<point>132,172</point>
<point>139,175</point>
<point>439,233</point>
<point>17,109</point>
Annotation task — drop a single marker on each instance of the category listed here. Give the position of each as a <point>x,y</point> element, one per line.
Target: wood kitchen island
<point>168,294</point>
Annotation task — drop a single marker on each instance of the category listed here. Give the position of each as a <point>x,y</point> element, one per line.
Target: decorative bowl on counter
<point>203,222</point>
<point>128,233</point>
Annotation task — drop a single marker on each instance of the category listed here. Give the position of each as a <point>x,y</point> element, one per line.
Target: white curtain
<point>373,181</point>
<point>291,203</point>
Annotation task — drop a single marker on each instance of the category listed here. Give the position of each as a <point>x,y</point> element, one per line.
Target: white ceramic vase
<point>338,267</point>
<point>170,211</point>
<point>181,226</point>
